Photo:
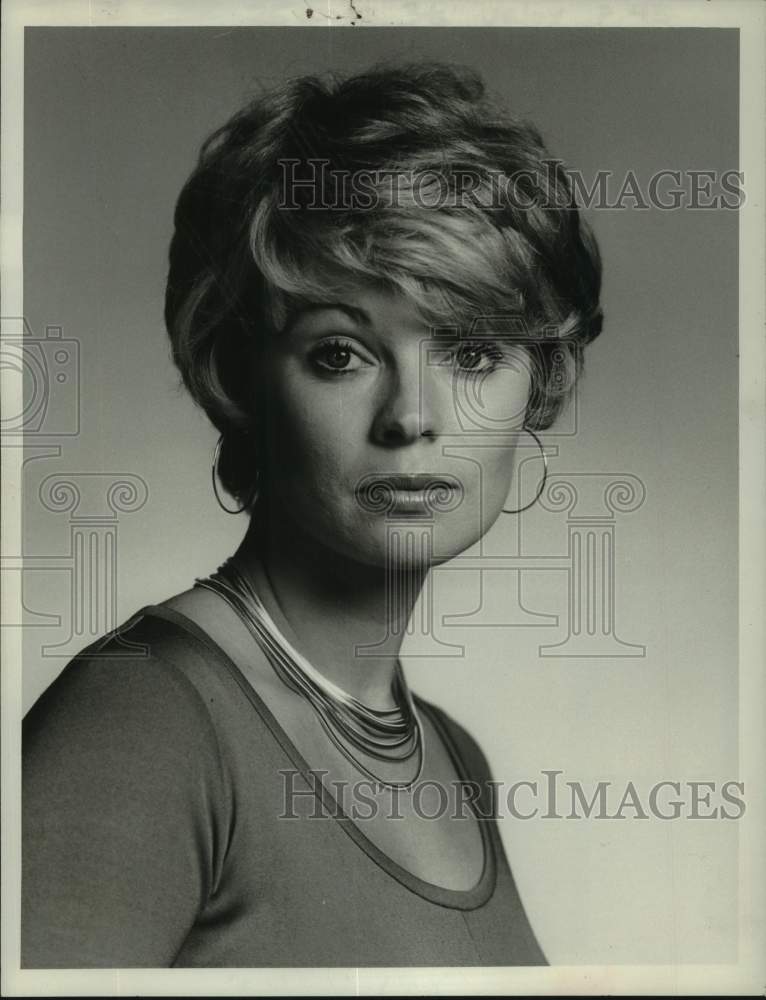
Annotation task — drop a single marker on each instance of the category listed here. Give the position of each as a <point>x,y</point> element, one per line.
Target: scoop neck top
<point>154,831</point>
<point>462,899</point>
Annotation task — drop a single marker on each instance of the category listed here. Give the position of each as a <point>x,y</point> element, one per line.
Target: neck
<point>346,618</point>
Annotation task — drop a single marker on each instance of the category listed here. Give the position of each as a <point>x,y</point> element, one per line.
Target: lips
<point>420,481</point>
<point>413,494</point>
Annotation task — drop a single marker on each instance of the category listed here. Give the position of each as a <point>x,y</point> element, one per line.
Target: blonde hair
<point>462,211</point>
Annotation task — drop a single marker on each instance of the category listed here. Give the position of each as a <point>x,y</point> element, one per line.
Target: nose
<point>406,411</point>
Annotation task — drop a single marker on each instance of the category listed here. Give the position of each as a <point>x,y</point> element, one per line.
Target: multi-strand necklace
<point>390,735</point>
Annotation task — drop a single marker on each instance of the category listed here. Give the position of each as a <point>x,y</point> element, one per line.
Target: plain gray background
<point>114,119</point>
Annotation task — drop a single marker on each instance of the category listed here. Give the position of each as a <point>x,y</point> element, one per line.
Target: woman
<point>363,274</point>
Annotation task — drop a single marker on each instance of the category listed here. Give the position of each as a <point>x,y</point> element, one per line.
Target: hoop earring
<point>214,473</point>
<point>541,487</point>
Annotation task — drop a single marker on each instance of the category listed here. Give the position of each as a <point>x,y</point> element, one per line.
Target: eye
<point>477,357</point>
<point>336,357</point>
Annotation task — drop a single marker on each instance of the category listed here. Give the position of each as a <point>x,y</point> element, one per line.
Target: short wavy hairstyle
<point>406,175</point>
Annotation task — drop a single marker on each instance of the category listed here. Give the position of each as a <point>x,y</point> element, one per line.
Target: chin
<point>415,543</point>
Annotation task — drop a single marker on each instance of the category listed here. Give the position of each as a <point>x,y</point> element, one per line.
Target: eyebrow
<point>356,313</point>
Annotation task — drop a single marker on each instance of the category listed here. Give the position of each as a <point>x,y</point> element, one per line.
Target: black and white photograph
<point>383,477</point>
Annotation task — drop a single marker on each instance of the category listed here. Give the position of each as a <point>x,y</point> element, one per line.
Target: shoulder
<point>125,800</point>
<point>122,742</point>
<point>459,740</point>
<point>467,755</point>
<point>131,688</point>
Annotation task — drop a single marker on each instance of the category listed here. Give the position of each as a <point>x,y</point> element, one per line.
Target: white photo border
<point>746,976</point>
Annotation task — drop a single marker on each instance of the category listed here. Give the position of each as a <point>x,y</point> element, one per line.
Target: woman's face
<point>376,424</point>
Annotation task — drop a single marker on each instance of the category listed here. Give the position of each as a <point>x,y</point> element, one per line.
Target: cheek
<point>313,442</point>
<point>498,473</point>
<point>488,406</point>
<point>505,397</point>
<point>501,404</point>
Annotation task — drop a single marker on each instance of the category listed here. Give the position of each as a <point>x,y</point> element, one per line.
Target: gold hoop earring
<point>214,473</point>
<point>541,487</point>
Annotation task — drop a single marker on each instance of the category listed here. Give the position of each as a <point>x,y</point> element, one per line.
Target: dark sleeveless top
<point>151,796</point>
